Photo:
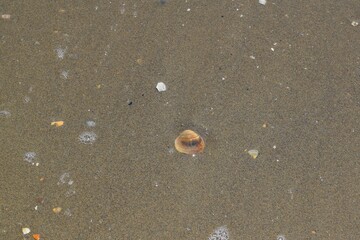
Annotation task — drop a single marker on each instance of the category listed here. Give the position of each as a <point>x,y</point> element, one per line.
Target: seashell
<point>189,142</point>
<point>26,230</point>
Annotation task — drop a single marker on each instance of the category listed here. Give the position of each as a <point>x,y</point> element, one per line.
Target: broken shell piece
<point>189,142</point>
<point>26,231</point>
<point>253,153</point>
<point>6,16</point>
<point>57,123</point>
<point>57,209</point>
<point>36,236</point>
<point>161,87</point>
<point>140,61</point>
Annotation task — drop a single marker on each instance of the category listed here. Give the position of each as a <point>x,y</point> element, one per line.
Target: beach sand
<point>280,78</point>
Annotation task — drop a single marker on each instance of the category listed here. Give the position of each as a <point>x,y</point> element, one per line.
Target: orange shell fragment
<point>57,209</point>
<point>57,123</point>
<point>36,236</point>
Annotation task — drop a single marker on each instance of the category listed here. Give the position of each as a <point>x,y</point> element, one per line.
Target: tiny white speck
<point>64,74</point>
<point>188,9</point>
<point>252,57</point>
<point>274,147</point>
<point>27,99</point>
<point>272,49</point>
<point>171,150</point>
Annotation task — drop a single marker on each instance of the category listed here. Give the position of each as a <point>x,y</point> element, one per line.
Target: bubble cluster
<point>220,233</point>
<point>65,178</point>
<point>90,123</point>
<point>87,137</point>
<point>29,157</point>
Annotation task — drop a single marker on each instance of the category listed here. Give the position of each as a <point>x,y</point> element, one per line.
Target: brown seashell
<point>189,142</point>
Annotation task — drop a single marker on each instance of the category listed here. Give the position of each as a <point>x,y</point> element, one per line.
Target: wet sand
<point>281,78</point>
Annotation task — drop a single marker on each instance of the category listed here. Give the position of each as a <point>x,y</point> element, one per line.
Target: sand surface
<point>281,78</point>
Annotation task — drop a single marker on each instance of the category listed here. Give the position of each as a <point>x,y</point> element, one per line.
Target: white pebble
<point>263,2</point>
<point>161,87</point>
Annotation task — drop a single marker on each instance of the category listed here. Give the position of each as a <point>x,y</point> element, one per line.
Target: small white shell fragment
<point>263,2</point>
<point>6,16</point>
<point>253,153</point>
<point>5,113</point>
<point>26,231</point>
<point>161,87</point>
<point>354,23</point>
